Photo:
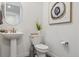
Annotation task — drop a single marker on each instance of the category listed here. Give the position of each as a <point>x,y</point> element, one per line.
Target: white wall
<point>54,34</point>
<point>31,12</point>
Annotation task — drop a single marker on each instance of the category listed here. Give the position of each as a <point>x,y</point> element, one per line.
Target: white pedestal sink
<point>13,45</point>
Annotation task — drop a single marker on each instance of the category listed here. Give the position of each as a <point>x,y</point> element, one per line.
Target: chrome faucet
<point>13,30</point>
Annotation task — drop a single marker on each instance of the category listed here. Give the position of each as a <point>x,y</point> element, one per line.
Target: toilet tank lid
<point>41,46</point>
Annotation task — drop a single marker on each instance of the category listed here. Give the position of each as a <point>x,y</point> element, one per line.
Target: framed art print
<point>60,12</point>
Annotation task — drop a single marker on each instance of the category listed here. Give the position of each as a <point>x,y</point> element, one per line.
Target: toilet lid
<point>41,46</point>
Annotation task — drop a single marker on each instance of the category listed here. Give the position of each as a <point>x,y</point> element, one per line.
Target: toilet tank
<point>36,38</point>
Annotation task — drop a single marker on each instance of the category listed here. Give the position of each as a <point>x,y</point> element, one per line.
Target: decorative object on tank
<point>38,26</point>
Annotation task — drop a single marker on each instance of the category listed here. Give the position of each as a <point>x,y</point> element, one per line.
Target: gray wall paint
<point>31,11</point>
<point>54,34</point>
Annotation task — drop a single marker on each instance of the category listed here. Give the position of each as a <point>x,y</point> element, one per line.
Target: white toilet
<point>41,49</point>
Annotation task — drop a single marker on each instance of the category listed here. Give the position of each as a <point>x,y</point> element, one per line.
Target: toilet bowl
<point>41,50</point>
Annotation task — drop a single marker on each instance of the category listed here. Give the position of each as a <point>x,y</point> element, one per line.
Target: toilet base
<point>40,54</point>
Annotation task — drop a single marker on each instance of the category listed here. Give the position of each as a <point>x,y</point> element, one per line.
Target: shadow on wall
<point>67,48</point>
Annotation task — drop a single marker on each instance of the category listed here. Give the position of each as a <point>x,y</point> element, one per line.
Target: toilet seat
<point>41,46</point>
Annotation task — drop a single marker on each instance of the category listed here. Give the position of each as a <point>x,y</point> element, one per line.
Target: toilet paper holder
<point>66,43</point>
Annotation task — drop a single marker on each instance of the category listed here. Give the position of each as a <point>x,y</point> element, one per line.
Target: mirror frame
<point>21,12</point>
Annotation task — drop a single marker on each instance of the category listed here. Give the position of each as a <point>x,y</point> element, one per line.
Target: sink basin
<point>12,35</point>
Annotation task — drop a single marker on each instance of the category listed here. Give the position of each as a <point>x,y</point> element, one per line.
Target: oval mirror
<point>13,12</point>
